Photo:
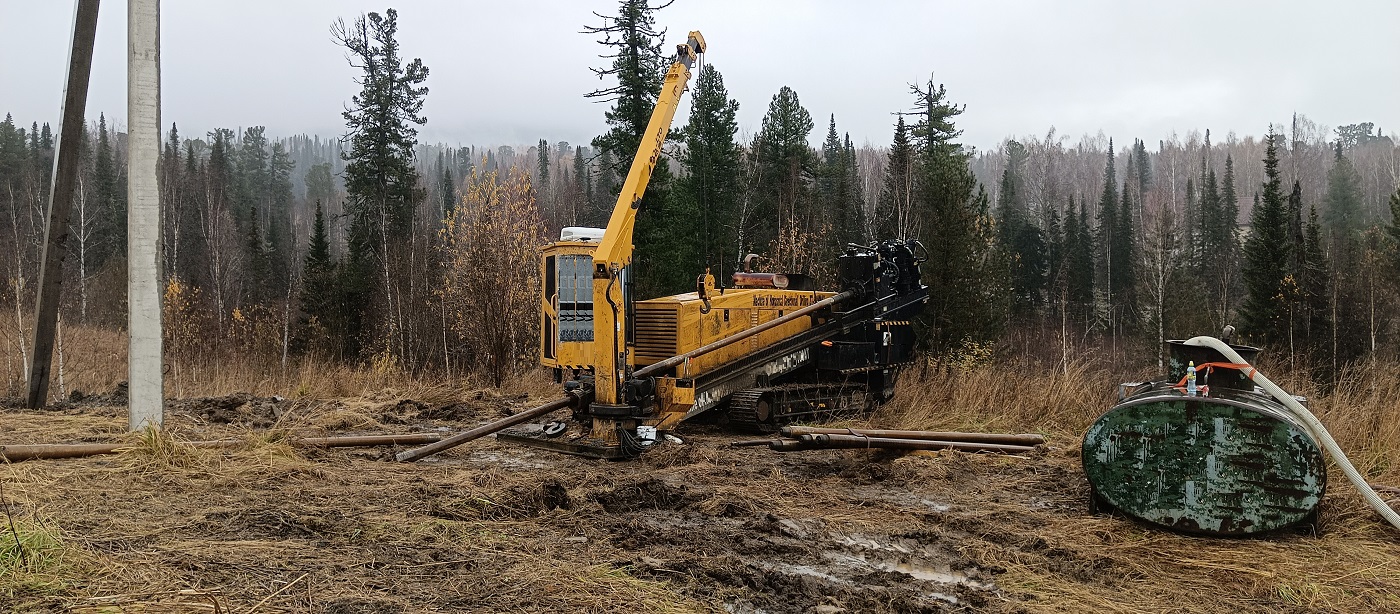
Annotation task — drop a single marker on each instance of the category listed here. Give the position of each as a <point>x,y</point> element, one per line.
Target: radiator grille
<point>656,335</point>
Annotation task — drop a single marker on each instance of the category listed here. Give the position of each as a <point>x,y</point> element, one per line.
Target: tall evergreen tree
<point>895,205</point>
<point>381,184</point>
<point>639,68</point>
<point>710,191</point>
<point>543,187</point>
<point>962,307</point>
<point>1267,257</point>
<point>1104,241</point>
<point>1079,256</point>
<point>109,201</point>
<point>447,189</point>
<point>1019,238</point>
<point>318,290</point>
<point>785,166</point>
<point>1124,247</point>
<point>583,179</point>
<point>1343,215</point>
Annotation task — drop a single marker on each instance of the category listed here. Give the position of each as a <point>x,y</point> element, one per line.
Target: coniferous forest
<point>373,248</point>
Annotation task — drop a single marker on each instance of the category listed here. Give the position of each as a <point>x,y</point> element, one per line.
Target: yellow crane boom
<point>614,251</point>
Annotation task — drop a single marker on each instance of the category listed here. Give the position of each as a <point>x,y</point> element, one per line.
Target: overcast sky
<point>514,72</point>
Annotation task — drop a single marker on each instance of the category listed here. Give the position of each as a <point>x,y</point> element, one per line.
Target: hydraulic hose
<point>1319,432</point>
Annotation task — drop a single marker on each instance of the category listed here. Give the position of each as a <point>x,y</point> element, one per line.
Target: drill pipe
<point>16,453</point>
<point>408,456</point>
<point>993,438</point>
<point>824,441</point>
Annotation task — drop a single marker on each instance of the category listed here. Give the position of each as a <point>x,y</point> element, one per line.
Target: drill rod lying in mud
<point>408,456</point>
<point>810,438</point>
<point>16,453</point>
<point>994,438</point>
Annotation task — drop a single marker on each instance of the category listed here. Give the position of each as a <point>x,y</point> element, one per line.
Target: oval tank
<point>1232,463</point>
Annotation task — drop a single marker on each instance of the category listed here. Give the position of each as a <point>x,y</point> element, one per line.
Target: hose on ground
<point>1319,432</point>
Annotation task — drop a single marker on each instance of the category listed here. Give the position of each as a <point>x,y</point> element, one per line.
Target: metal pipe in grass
<point>996,438</point>
<point>829,441</point>
<point>17,453</point>
<point>408,456</point>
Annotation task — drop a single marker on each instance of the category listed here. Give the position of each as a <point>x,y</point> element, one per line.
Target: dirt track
<point>489,527</point>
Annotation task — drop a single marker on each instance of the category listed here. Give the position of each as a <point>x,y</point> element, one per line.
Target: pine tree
<point>1343,215</point>
<point>962,306</point>
<point>1124,279</point>
<point>1267,257</point>
<point>858,224</point>
<point>318,290</point>
<point>1313,328</point>
<point>1107,225</point>
<point>895,206</point>
<point>381,184</point>
<point>639,68</point>
<point>1020,240</point>
<point>255,278</point>
<point>1079,257</point>
<point>583,180</point>
<point>710,191</point>
<point>109,202</point>
<point>785,224</point>
<point>447,189</point>
<point>543,187</point>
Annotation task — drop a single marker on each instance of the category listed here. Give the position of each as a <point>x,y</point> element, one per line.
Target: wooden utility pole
<point>147,393</point>
<point>65,178</point>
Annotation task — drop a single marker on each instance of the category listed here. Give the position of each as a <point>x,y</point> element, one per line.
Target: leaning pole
<point>146,390</point>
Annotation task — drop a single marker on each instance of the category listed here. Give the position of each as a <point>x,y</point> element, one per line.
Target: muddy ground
<point>697,526</point>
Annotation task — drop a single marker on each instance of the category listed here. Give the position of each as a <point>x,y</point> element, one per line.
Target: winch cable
<point>1319,431</point>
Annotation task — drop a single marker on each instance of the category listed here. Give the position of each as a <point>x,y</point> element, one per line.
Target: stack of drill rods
<point>987,438</point>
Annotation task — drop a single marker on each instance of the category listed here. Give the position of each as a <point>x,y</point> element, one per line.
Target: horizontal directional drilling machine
<point>767,350</point>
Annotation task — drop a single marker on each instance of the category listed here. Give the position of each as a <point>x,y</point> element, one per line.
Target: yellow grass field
<point>694,527</point>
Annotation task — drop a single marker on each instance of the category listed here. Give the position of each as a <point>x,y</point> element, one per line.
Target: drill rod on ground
<point>16,453</point>
<point>823,441</point>
<point>408,456</point>
<point>993,438</point>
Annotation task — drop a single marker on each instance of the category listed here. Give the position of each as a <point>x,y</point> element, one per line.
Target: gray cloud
<point>515,72</point>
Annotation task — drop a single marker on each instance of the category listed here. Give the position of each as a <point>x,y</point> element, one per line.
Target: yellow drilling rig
<point>767,350</point>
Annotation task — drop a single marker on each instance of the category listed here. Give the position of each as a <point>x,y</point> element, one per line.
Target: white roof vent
<point>581,233</point>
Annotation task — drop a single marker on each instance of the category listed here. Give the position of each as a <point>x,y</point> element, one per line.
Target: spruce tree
<point>639,68</point>
<point>318,290</point>
<point>583,180</point>
<point>1343,216</point>
<point>858,223</point>
<point>963,306</point>
<point>785,165</point>
<point>542,186</point>
<point>1107,226</point>
<point>1314,288</point>
<point>1124,279</point>
<point>1267,256</point>
<point>895,210</point>
<point>109,201</point>
<point>381,184</point>
<point>710,191</point>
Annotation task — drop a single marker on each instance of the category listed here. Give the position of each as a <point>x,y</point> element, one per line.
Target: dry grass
<point>693,528</point>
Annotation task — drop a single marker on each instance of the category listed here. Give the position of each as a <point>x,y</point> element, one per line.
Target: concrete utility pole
<point>147,392</point>
<point>65,177</point>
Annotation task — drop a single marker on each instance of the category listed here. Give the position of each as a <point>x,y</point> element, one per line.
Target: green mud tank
<point>1227,461</point>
